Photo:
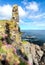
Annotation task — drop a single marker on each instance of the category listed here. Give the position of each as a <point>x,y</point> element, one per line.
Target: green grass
<point>0,36</point>
<point>2,51</point>
<point>0,43</point>
<point>24,42</point>
<point>22,63</point>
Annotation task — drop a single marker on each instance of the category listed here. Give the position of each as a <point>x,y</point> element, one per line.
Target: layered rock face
<point>34,53</point>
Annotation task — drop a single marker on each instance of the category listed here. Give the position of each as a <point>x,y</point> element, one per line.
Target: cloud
<point>32,25</point>
<point>24,2</point>
<point>32,6</point>
<point>22,13</point>
<point>21,21</point>
<point>32,10</point>
<point>38,16</point>
<point>5,11</point>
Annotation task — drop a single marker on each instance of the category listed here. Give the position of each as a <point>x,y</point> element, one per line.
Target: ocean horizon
<point>38,34</point>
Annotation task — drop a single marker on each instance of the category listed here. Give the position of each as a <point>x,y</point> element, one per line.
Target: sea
<point>34,36</point>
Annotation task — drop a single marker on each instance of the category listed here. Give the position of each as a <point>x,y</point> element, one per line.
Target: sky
<point>31,13</point>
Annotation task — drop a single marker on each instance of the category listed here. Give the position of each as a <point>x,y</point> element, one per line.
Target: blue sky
<point>31,13</point>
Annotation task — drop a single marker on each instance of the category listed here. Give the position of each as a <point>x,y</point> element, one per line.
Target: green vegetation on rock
<point>22,63</point>
<point>24,42</point>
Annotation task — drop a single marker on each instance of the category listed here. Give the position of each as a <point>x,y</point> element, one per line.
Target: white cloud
<point>22,13</point>
<point>34,23</point>
<point>32,6</point>
<point>21,22</point>
<point>24,2</point>
<point>5,11</point>
<point>39,16</point>
<point>39,24</point>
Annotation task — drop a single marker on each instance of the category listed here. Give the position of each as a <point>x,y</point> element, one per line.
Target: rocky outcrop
<point>33,52</point>
<point>8,55</point>
<point>42,62</point>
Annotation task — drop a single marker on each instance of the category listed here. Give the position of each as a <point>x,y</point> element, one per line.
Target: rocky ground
<point>8,55</point>
<point>42,62</point>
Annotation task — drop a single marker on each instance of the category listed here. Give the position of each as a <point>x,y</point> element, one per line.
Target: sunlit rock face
<point>33,52</point>
<point>15,15</point>
<point>44,46</point>
<point>15,20</point>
